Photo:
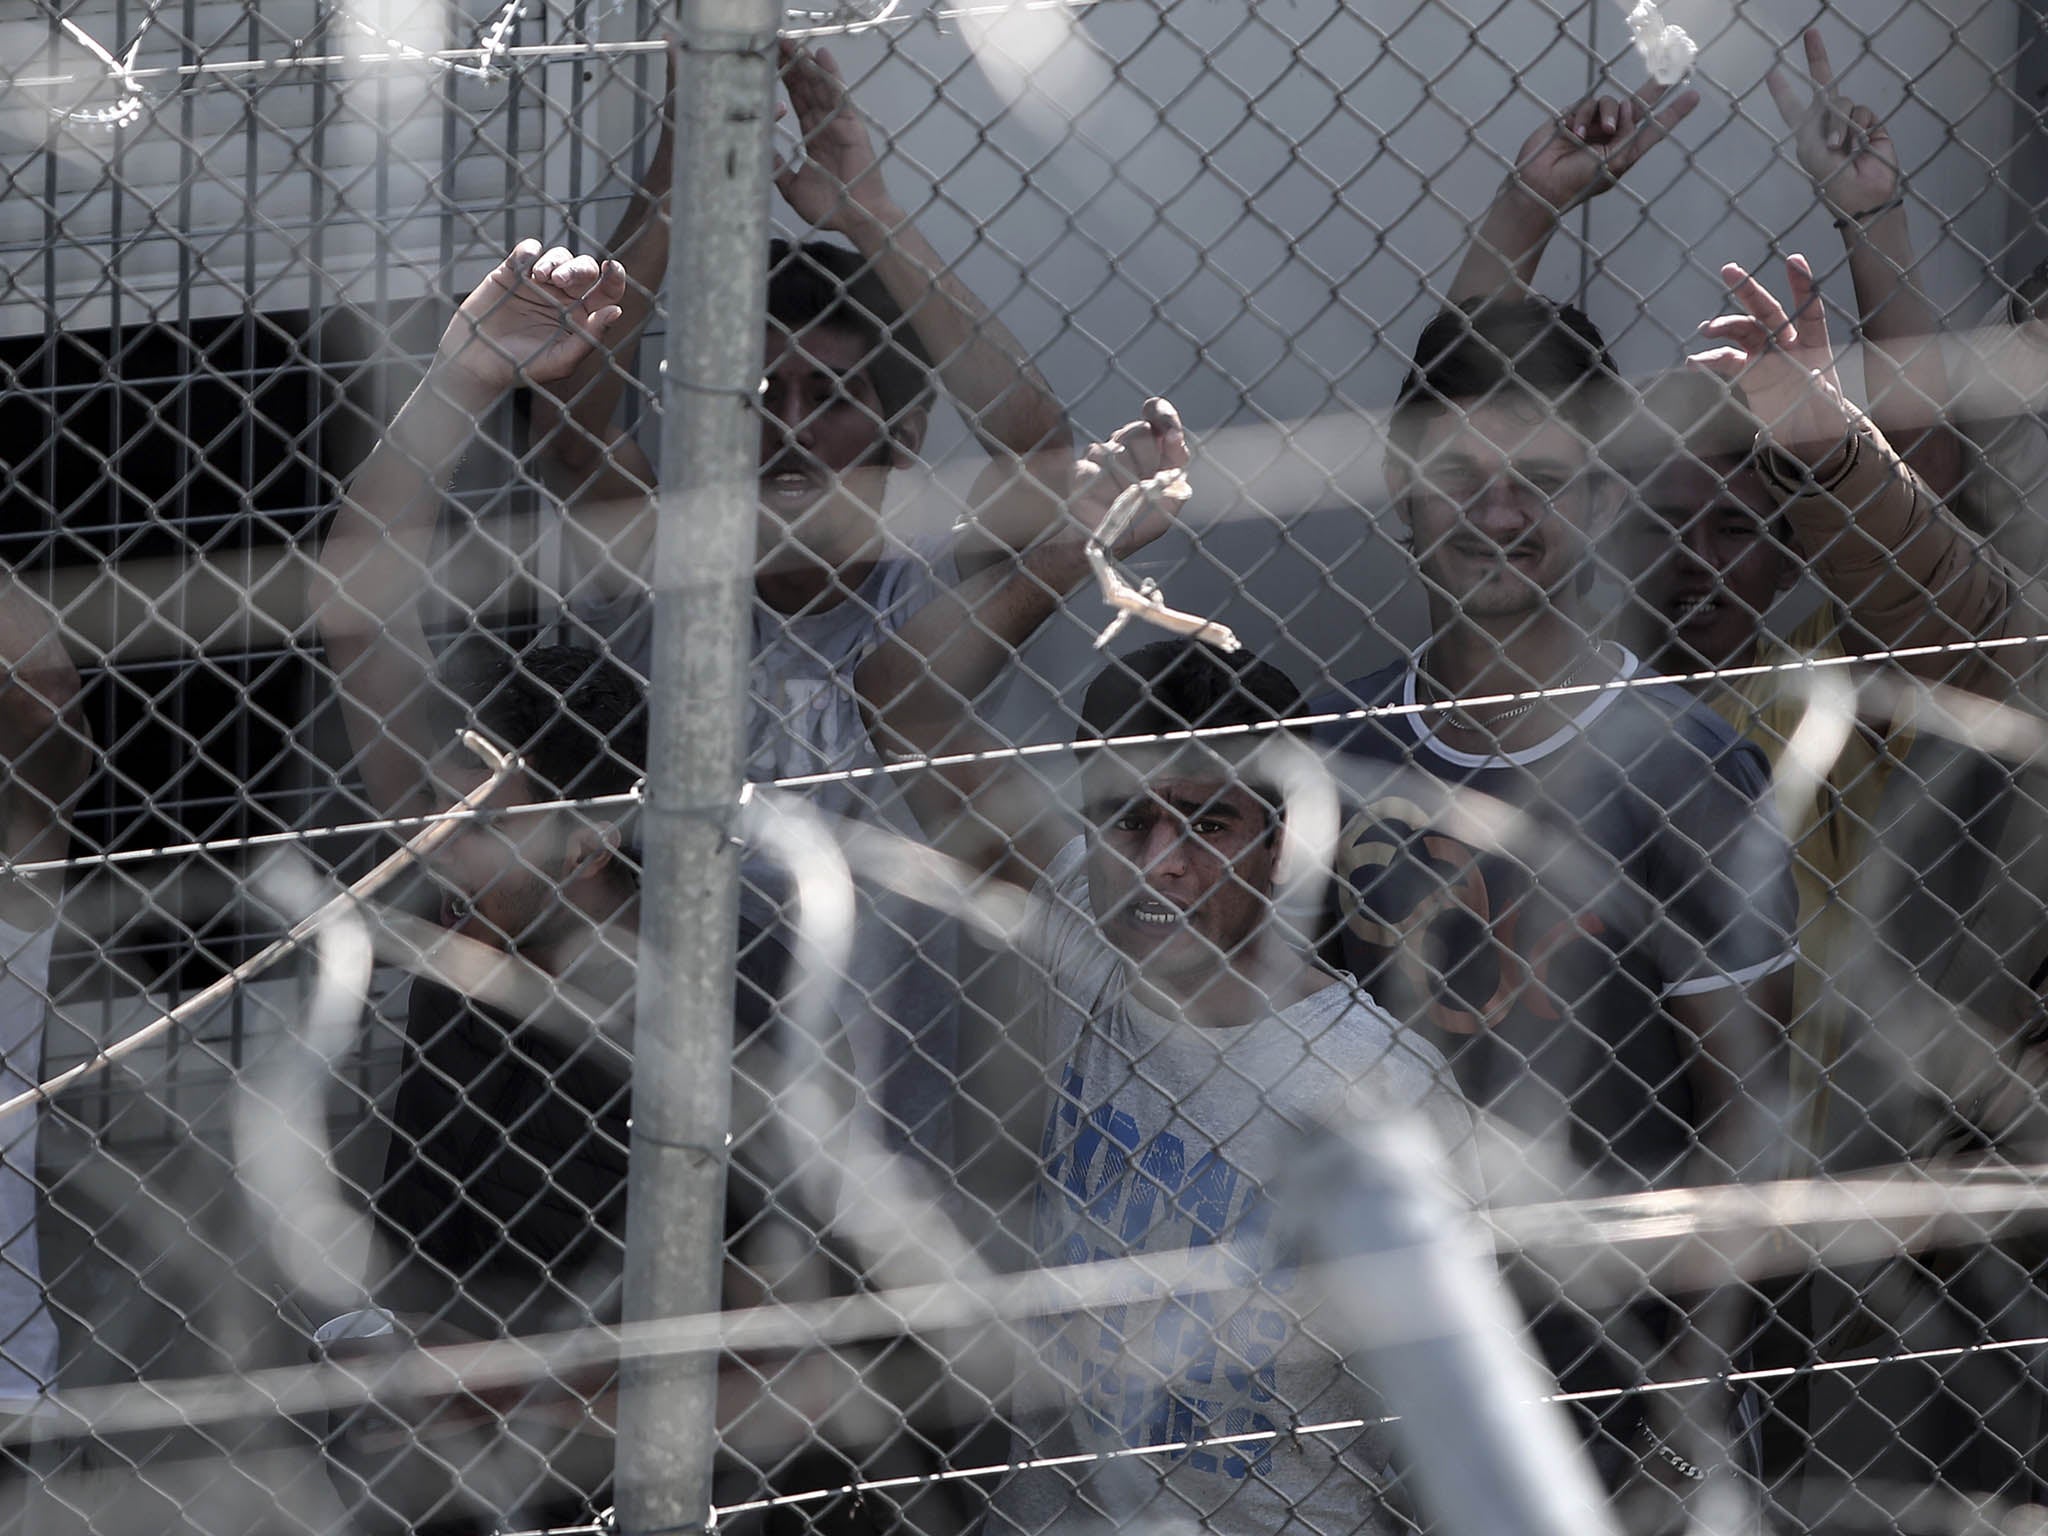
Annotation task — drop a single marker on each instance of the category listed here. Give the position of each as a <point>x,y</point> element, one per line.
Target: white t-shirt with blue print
<point>1160,1138</point>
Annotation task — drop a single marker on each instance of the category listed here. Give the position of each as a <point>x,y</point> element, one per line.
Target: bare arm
<point>1904,368</point>
<point>1854,166</point>
<point>1010,409</point>
<point>919,688</point>
<point>1580,154</point>
<point>44,747</point>
<point>533,318</point>
<point>918,691</point>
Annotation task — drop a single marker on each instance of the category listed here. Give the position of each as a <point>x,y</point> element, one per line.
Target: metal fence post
<point>704,557</point>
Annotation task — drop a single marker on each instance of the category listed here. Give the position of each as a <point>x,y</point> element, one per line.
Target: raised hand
<point>1784,363</point>
<point>838,183</point>
<point>1134,452</point>
<point>1589,148</point>
<point>1841,145</point>
<point>1579,154</point>
<point>534,318</point>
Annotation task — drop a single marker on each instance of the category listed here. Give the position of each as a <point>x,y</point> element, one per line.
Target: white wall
<point>1242,206</point>
<point>1256,234</point>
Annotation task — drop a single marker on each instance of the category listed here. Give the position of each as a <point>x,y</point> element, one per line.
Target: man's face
<point>497,875</point>
<point>825,453</point>
<point>1180,869</point>
<point>1501,506</point>
<point>1709,569</point>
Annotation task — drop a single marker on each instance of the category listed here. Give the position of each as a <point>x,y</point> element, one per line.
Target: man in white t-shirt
<point>1188,1041</point>
<point>44,758</point>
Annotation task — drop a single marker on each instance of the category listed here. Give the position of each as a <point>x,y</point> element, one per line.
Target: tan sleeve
<point>1900,565</point>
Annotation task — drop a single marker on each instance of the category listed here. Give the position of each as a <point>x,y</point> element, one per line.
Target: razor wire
<point>2007,731</point>
<point>1886,1216</point>
<point>260,216</point>
<point>1665,48</point>
<point>2021,740</point>
<point>1950,1207</point>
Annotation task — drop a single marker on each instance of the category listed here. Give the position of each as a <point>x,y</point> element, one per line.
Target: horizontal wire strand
<point>1344,1426</point>
<point>908,764</point>
<point>480,60</point>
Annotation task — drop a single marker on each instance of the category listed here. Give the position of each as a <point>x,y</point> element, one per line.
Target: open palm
<point>1784,363</point>
<point>838,177</point>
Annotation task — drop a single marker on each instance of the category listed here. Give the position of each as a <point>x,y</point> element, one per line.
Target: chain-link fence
<point>1443,933</point>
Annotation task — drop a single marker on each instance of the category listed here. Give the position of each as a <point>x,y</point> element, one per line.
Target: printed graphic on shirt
<point>1465,935</point>
<point>1199,1365</point>
<point>1644,865</point>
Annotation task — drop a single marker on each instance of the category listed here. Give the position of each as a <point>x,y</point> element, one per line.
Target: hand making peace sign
<point>1840,144</point>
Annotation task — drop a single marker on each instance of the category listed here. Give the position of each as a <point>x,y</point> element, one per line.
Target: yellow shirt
<point>1830,833</point>
<point>1905,571</point>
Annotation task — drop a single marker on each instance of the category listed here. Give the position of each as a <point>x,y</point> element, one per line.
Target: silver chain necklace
<point>1465,720</point>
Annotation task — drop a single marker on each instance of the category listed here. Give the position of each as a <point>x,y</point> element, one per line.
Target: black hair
<point>576,718</point>
<point>1186,684</point>
<point>1482,349</point>
<point>1181,685</point>
<point>819,284</point>
<point>1690,414</point>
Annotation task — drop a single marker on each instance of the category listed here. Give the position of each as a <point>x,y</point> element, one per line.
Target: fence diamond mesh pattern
<point>1237,768</point>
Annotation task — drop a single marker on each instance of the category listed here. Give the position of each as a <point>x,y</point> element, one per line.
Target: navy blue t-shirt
<point>1540,954</point>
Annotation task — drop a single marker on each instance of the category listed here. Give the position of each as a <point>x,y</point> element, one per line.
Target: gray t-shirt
<point>804,717</point>
<point>1160,1138</point>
